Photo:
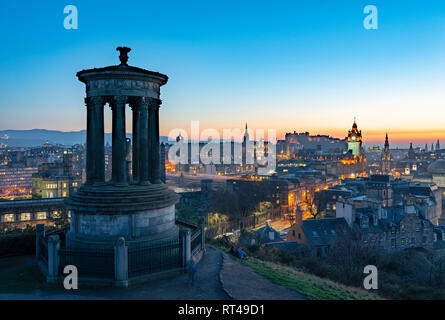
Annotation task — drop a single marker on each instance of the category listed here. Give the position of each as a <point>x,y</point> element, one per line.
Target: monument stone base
<point>142,215</point>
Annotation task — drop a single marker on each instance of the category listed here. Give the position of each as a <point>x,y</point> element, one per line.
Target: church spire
<point>386,157</point>
<point>246,135</point>
<point>411,152</point>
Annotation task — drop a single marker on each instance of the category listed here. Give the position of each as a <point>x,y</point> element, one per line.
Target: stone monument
<point>138,206</point>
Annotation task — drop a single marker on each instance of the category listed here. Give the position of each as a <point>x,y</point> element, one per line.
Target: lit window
<point>41,215</point>
<point>8,217</point>
<point>25,216</point>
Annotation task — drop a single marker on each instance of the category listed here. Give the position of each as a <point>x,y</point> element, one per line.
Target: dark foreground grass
<point>19,274</point>
<point>22,275</point>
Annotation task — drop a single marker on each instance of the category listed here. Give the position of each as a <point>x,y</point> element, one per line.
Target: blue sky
<point>287,65</point>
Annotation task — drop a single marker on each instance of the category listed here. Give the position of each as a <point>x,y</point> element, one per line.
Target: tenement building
<point>56,179</point>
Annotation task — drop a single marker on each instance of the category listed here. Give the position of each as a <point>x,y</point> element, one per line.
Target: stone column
<point>53,258</point>
<point>119,174</point>
<point>135,146</point>
<point>144,167</point>
<point>98,139</point>
<point>121,263</point>
<point>90,142</point>
<point>155,161</point>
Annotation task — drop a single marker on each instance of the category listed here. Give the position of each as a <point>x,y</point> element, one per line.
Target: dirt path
<point>242,283</point>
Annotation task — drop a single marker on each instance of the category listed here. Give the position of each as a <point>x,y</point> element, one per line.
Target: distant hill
<point>37,137</point>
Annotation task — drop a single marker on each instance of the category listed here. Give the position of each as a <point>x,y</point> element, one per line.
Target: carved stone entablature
<point>112,87</point>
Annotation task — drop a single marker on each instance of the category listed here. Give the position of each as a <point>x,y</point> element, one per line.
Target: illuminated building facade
<point>54,186</point>
<point>56,180</point>
<point>354,161</point>
<point>28,213</point>
<point>354,140</point>
<point>297,143</point>
<point>16,181</point>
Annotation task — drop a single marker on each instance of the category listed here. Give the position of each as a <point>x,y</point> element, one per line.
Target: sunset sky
<point>287,65</point>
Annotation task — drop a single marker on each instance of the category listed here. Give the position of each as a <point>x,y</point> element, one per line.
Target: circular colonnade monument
<point>136,206</point>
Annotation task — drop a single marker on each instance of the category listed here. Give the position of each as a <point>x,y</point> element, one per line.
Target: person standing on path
<point>193,267</point>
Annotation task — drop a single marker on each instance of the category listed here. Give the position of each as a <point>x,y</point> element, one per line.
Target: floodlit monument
<point>138,207</point>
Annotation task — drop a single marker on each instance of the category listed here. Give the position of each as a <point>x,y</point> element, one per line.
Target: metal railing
<point>155,258</point>
<point>43,250</point>
<point>143,257</point>
<point>89,263</point>
<point>196,241</point>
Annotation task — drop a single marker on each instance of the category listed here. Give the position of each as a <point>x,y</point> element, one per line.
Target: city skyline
<point>213,150</point>
<point>289,66</point>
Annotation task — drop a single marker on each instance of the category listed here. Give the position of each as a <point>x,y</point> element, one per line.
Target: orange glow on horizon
<point>370,136</point>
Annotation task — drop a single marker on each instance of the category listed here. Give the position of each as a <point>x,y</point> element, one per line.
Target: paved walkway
<point>207,286</point>
<point>242,283</point>
<point>218,278</point>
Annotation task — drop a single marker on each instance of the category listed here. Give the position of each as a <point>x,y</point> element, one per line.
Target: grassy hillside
<point>311,286</point>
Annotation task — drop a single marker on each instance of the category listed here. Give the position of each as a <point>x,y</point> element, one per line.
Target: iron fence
<point>89,263</point>
<point>43,250</point>
<point>196,241</point>
<point>155,258</point>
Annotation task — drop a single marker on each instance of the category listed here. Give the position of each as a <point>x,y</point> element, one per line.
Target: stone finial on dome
<point>123,57</point>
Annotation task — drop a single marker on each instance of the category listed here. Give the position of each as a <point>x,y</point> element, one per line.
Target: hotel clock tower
<point>354,140</point>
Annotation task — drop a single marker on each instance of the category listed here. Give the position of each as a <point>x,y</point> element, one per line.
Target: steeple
<point>246,135</point>
<point>354,125</point>
<point>386,157</point>
<point>411,153</point>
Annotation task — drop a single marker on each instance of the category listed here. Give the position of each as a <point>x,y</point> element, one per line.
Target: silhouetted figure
<point>193,267</point>
<point>242,254</point>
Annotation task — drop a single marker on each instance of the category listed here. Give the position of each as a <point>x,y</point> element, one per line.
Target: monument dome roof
<point>122,70</point>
